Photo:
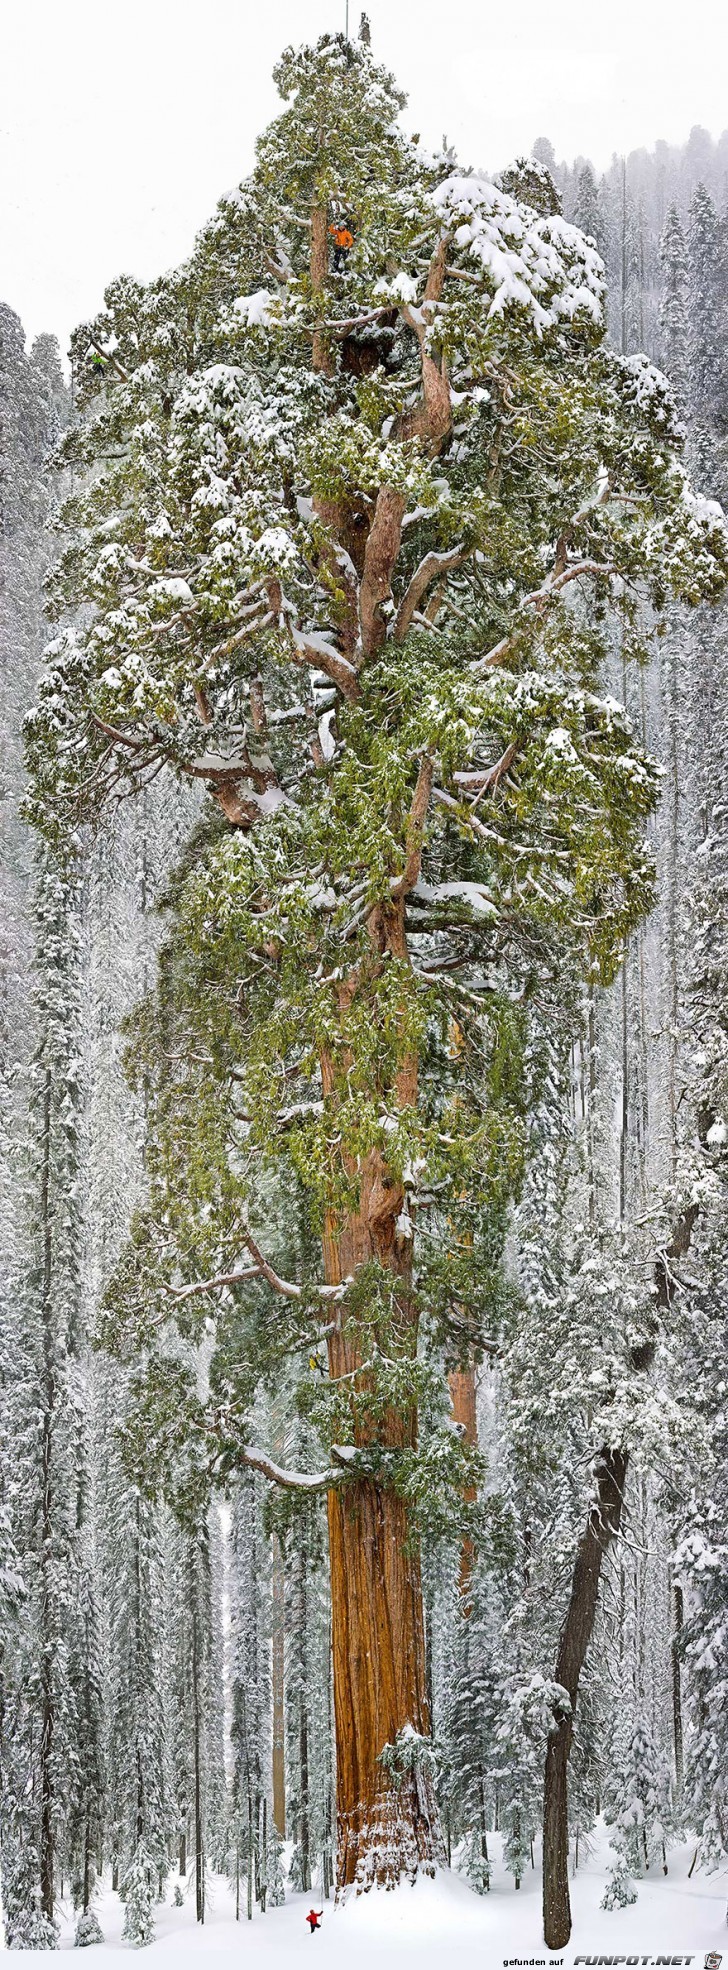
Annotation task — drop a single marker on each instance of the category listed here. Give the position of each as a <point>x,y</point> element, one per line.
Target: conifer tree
<point>587,210</point>
<point>674,311</point>
<point>330,577</point>
<point>707,342</point>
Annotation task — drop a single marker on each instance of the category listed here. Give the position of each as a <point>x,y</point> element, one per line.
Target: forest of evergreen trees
<point>208,1430</point>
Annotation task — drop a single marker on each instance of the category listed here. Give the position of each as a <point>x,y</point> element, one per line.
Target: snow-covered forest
<point>364,1057</point>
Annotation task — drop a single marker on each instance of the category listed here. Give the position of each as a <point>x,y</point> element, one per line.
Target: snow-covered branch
<point>433,565</point>
<point>311,648</point>
<point>260,1269</point>
<point>539,599</point>
<point>258,1460</point>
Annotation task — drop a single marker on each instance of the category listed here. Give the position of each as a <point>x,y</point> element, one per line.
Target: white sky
<point>120,125</point>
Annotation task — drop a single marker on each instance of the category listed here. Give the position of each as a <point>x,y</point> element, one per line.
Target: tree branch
<point>109,358</point>
<point>433,565</point>
<point>539,599</point>
<point>258,1460</point>
<point>415,829</point>
<point>260,1269</point>
<point>380,554</point>
<point>321,655</point>
<point>488,779</point>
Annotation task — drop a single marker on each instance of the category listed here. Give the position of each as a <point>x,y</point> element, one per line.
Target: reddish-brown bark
<point>385,1827</point>
<point>462,1397</point>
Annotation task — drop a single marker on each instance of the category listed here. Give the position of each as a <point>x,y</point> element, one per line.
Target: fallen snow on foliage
<point>255,309</point>
<point>436,1922</point>
<point>541,263</point>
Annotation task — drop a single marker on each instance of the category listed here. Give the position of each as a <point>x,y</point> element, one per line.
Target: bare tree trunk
<point>47,1843</point>
<point>378,1630</point>
<point>87,1860</point>
<point>387,1824</point>
<point>319,265</point>
<point>602,1528</point>
<point>379,1687</point>
<point>305,1820</point>
<point>676,1597</point>
<point>264,1857</point>
<point>199,1834</point>
<point>278,1692</point>
<point>462,1397</point>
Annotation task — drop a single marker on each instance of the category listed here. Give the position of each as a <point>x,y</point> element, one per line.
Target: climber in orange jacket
<point>343,242</point>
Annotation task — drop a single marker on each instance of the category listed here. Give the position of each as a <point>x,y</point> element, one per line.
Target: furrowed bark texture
<point>463,1399</point>
<point>602,1528</point>
<point>385,1829</point>
<point>378,1645</point>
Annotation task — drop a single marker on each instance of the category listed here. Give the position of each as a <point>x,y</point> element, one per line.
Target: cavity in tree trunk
<point>602,1527</point>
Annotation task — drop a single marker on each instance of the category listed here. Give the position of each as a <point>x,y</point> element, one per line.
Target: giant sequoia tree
<point>347,551</point>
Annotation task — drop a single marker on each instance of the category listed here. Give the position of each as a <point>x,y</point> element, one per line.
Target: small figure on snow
<point>343,241</point>
<point>313,1919</point>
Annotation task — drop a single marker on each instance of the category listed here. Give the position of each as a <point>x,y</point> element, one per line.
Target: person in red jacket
<point>314,1920</point>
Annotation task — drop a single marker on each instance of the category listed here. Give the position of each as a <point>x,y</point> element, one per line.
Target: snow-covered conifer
<point>329,578</point>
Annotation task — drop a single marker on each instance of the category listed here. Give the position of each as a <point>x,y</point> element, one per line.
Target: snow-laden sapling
<point>88,1930</point>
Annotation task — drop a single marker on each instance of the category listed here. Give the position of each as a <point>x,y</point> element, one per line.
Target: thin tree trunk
<point>87,1860</point>
<point>305,1822</point>
<point>676,1597</point>
<point>278,1691</point>
<point>462,1397</point>
<point>47,1650</point>
<point>199,1835</point>
<point>264,1857</point>
<point>322,358</point>
<point>602,1527</point>
<point>250,1857</point>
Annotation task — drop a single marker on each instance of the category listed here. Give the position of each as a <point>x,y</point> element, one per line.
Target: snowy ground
<point>437,1923</point>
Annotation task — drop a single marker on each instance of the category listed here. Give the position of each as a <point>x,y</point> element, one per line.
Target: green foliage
<point>138,1893</point>
<point>346,992</point>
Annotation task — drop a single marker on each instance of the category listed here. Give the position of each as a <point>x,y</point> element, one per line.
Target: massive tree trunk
<point>385,1829</point>
<point>602,1528</point>
<point>387,1824</point>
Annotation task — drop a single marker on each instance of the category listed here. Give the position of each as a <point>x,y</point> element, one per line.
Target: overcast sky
<point>121,125</point>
